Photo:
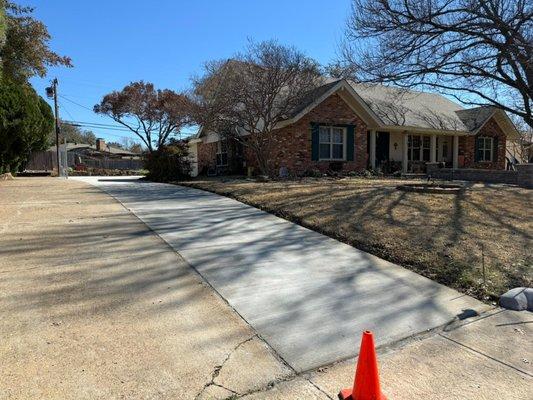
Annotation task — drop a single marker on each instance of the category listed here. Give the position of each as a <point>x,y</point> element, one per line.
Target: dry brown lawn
<point>446,237</point>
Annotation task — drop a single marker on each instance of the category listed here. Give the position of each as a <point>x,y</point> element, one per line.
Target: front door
<point>444,149</point>
<point>382,147</point>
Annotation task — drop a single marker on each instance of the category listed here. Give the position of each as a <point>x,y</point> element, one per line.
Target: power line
<point>103,126</point>
<point>112,134</point>
<point>95,123</point>
<point>78,104</point>
<point>65,109</point>
<point>106,130</point>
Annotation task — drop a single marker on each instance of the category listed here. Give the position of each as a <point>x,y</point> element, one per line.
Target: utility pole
<point>56,112</point>
<point>51,92</point>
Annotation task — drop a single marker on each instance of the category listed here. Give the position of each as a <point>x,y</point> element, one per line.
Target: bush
<point>26,121</point>
<point>312,173</point>
<point>169,163</point>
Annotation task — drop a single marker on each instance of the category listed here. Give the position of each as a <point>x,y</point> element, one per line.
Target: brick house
<point>350,126</point>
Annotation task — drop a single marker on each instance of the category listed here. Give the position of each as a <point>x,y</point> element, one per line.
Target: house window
<point>222,153</point>
<point>418,148</point>
<point>484,148</point>
<point>332,143</point>
<point>425,148</point>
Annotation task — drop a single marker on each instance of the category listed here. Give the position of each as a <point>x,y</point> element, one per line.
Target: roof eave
<point>369,117</point>
<point>501,118</point>
<point>418,129</point>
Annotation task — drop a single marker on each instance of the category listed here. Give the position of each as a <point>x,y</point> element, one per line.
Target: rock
<point>6,177</point>
<point>518,299</point>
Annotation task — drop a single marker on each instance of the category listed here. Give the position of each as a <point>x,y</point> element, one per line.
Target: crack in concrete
<point>218,368</point>
<point>319,389</point>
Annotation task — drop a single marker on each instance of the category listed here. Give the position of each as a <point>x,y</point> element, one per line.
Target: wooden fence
<point>46,161</point>
<point>42,161</point>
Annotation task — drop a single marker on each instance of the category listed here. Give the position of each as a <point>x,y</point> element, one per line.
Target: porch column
<point>455,152</point>
<point>405,149</point>
<point>433,149</point>
<point>372,153</point>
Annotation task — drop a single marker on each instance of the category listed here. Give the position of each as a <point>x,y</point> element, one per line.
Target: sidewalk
<point>485,359</point>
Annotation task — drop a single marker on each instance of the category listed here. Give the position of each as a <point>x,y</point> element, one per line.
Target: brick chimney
<point>100,144</point>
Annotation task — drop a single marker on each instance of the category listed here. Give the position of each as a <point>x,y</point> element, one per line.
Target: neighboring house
<point>349,126</point>
<point>82,155</point>
<point>99,150</point>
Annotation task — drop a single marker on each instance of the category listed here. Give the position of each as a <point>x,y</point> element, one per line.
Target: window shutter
<point>315,144</point>
<point>350,141</point>
<point>494,149</point>
<point>476,150</point>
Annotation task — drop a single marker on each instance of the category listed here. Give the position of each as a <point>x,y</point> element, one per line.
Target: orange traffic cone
<point>366,382</point>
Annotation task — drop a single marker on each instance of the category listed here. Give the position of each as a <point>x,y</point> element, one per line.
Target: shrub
<point>169,163</point>
<point>26,121</point>
<point>312,173</point>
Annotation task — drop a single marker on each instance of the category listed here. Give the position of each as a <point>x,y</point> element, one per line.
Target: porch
<point>409,152</point>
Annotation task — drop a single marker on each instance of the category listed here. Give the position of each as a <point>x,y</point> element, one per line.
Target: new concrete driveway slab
<point>307,295</point>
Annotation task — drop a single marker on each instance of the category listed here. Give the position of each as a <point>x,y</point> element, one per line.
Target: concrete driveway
<point>94,305</point>
<point>306,295</point>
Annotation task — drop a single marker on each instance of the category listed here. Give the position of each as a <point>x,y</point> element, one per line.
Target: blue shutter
<point>476,149</point>
<point>350,143</point>
<point>494,149</point>
<point>315,141</point>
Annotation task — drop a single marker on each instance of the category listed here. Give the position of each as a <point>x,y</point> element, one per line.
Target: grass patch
<point>447,238</point>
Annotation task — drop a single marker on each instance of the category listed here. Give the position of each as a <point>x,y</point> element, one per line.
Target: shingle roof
<point>396,106</point>
<point>402,107</point>
<point>108,149</point>
<point>312,96</point>
<point>474,118</point>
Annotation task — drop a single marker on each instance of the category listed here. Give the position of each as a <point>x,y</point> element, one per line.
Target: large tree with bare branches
<point>479,51</point>
<point>152,115</point>
<point>245,98</point>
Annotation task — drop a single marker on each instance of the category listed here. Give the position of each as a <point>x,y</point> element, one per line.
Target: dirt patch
<point>476,241</point>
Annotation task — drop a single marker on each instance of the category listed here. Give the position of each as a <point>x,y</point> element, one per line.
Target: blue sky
<point>115,42</point>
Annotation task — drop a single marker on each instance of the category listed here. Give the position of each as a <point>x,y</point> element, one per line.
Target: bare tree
<point>153,115</point>
<point>480,52</point>
<point>245,98</point>
<point>131,145</point>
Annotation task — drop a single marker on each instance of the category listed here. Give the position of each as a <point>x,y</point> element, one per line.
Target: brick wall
<point>292,145</point>
<point>292,148</point>
<point>467,147</point>
<point>207,156</point>
<point>474,175</point>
